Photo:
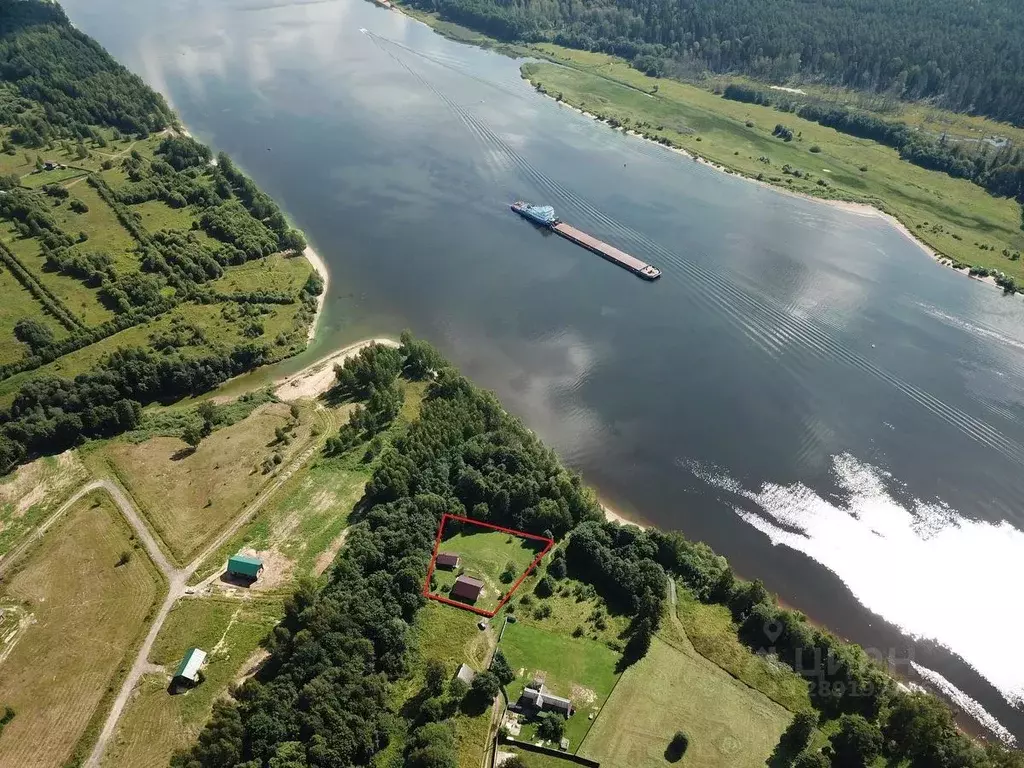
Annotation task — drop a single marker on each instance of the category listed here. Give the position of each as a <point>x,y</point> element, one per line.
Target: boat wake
<point>778,331</point>
<point>921,565</point>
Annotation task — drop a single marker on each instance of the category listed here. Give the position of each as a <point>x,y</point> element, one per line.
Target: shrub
<point>78,206</point>
<point>750,123</point>
<point>677,747</point>
<point>125,558</point>
<point>815,149</point>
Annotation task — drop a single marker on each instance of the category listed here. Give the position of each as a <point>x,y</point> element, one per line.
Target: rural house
<point>465,673</point>
<point>467,588</point>
<point>543,700</point>
<point>245,567</point>
<point>448,560</point>
<point>188,669</point>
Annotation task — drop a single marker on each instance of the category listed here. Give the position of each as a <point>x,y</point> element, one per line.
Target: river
<point>804,389</point>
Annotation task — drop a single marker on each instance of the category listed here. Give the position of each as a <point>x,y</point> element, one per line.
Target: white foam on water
<point>921,565</point>
<point>966,703</point>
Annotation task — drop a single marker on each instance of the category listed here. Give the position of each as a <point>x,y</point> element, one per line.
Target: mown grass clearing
<point>278,273</point>
<point>209,319</point>
<point>579,669</point>
<point>80,300</point>
<point>102,227</point>
<point>19,303</point>
<point>155,723</point>
<point>189,495</point>
<point>88,612</point>
<point>33,492</point>
<point>496,558</point>
<point>157,215</point>
<point>712,632</point>
<point>934,206</point>
<point>452,636</point>
<point>729,725</point>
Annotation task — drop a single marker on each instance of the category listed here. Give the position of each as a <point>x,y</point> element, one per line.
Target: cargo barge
<point>544,216</point>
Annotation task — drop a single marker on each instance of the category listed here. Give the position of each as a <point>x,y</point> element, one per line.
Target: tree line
<point>967,57</point>
<point>326,696</point>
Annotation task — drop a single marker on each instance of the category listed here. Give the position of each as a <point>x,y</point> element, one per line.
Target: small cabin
<point>188,669</point>
<point>245,567</point>
<point>447,560</point>
<point>467,588</point>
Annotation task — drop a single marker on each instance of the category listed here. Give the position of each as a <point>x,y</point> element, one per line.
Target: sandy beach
<point>321,268</point>
<point>614,516</point>
<point>317,378</point>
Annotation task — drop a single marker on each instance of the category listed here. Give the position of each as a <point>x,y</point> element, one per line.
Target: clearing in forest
<point>478,565</point>
<point>729,724</point>
<point>83,596</point>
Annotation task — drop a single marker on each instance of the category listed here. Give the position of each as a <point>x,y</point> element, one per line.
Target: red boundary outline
<point>437,543</point>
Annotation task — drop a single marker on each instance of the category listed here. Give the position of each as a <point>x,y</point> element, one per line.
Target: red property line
<point>549,543</point>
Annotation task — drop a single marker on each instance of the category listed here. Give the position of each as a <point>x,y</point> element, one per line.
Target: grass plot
<point>729,724</point>
<point>496,558</point>
<point>83,615</point>
<point>156,723</point>
<point>579,669</point>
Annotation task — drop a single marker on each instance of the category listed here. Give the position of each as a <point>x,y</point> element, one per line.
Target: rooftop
<point>189,666</point>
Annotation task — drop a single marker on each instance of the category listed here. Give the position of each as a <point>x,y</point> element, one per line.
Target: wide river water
<point>804,389</point>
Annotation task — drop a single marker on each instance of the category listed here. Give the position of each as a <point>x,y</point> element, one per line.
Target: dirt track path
<point>177,578</point>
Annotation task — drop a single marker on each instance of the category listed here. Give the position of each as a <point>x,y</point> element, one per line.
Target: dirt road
<point>177,578</point>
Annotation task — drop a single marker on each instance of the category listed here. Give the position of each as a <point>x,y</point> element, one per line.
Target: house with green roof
<point>188,669</point>
<point>245,566</point>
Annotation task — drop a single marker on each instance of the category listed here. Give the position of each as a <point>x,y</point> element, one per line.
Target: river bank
<point>859,208</point>
<point>320,266</point>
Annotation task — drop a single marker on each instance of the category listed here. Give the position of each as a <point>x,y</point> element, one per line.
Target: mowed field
<point>484,555</point>
<point>729,724</point>
<point>156,723</point>
<point>33,492</point>
<point>87,614</point>
<point>189,496</point>
<point>300,529</point>
<point>580,669</point>
<point>953,216</point>
<point>713,634</point>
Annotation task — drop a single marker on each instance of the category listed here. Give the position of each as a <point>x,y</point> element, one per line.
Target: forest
<point>325,697</point>
<point>965,56</point>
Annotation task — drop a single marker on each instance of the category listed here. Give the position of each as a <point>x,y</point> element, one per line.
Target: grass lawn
<point>189,496</point>
<point>155,723</point>
<point>580,669</point>
<point>933,205</point>
<point>451,636</point>
<point>80,300</point>
<point>285,274</point>
<point>729,725</point>
<point>86,615</point>
<point>573,606</point>
<point>33,491</point>
<point>711,630</point>
<point>486,555</point>
<point>157,215</point>
<point>19,303</point>
<point>101,225</point>
<point>299,531</point>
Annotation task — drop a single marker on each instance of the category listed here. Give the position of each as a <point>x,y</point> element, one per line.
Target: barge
<point>544,216</point>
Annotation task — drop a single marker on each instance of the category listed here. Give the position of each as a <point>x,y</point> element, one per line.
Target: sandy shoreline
<point>317,378</point>
<point>321,269</point>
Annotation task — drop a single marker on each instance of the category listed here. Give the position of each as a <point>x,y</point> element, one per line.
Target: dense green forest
<point>63,98</point>
<point>966,56</point>
<point>326,697</point>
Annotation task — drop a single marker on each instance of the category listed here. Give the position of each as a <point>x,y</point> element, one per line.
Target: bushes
<point>782,132</point>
